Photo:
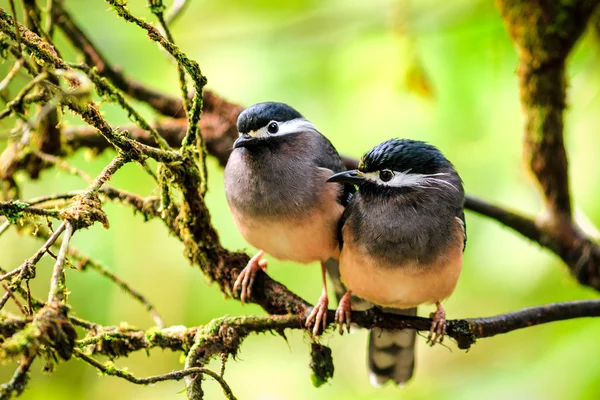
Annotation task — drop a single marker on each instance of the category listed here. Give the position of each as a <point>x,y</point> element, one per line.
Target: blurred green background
<point>362,71</point>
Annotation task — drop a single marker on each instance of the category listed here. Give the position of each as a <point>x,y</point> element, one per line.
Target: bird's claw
<point>438,326</point>
<point>318,316</point>
<point>245,279</point>
<point>343,313</point>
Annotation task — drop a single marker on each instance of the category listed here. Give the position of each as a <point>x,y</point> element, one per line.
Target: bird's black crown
<point>259,115</point>
<point>403,155</point>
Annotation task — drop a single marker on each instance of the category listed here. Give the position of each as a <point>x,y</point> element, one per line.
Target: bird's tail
<point>392,353</point>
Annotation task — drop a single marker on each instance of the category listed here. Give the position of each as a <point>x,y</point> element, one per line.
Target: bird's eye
<point>273,127</point>
<point>386,175</point>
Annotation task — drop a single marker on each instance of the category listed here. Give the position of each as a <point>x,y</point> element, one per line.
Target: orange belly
<point>301,240</point>
<point>304,238</point>
<point>399,286</point>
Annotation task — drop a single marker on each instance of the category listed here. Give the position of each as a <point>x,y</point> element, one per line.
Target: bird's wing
<point>329,158</point>
<point>461,217</point>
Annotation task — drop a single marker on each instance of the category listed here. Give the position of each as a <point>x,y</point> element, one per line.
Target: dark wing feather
<point>461,215</point>
<point>329,158</point>
<point>342,221</point>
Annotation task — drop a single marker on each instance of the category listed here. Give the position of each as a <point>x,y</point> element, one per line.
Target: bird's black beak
<point>244,140</point>
<point>355,177</point>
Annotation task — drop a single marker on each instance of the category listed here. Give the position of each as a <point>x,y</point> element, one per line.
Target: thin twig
<point>53,197</point>
<point>17,302</point>
<point>176,10</point>
<point>17,34</point>
<point>193,69</point>
<point>62,164</point>
<point>86,262</point>
<point>157,8</point>
<point>84,324</point>
<point>19,380</point>
<point>175,375</point>
<point>31,262</point>
<point>17,102</point>
<point>163,103</point>
<point>29,297</point>
<point>4,299</point>
<point>58,289</point>
<point>88,111</point>
<point>109,92</point>
<point>50,5</point>
<point>4,227</point>
<point>33,303</point>
<point>526,226</point>
<point>148,170</point>
<point>11,74</point>
<point>107,172</point>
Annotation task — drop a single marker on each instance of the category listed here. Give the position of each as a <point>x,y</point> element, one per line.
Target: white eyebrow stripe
<point>406,179</point>
<point>285,128</point>
<point>295,125</point>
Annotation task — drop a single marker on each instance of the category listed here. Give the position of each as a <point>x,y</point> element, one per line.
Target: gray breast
<point>398,229</point>
<point>273,181</point>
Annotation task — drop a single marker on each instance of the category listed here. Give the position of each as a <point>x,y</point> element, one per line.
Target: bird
<point>402,237</point>
<point>277,191</point>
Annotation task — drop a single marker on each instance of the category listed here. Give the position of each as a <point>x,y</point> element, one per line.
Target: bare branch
<point>31,262</point>
<point>176,10</point>
<point>12,296</point>
<point>11,75</point>
<point>58,288</point>
<point>4,298</point>
<point>19,380</point>
<point>4,227</point>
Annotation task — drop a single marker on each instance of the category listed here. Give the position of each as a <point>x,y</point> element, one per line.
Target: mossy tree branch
<point>544,33</point>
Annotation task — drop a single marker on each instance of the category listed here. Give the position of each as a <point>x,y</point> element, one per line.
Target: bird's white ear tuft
<point>408,179</point>
<point>296,125</point>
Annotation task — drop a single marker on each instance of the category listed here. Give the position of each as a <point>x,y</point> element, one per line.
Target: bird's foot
<point>245,279</point>
<point>438,326</point>
<point>342,314</point>
<point>318,315</point>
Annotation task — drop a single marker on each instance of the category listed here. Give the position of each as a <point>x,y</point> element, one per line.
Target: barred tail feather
<point>392,353</point>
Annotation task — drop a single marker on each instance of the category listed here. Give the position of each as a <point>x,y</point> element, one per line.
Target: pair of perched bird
<point>393,230</point>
